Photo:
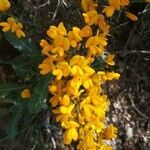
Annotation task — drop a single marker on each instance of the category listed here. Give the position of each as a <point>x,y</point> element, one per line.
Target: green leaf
<point>24,45</point>
<point>40,93</point>
<point>24,66</point>
<point>12,128</point>
<point>98,64</point>
<point>6,89</point>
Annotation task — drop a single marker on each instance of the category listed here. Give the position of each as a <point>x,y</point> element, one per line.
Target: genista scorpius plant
<point>69,83</point>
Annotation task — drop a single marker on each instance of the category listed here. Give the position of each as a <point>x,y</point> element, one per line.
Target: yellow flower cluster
<point>78,100</point>
<point>13,26</point>
<point>116,5</point>
<point>4,5</point>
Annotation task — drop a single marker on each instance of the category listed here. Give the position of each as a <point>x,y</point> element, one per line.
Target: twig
<point>64,3</point>
<point>56,11</point>
<point>122,24</point>
<point>54,143</point>
<point>137,51</point>
<point>40,6</point>
<point>132,52</point>
<point>136,109</point>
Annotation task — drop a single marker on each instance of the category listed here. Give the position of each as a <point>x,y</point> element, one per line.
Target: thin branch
<point>137,110</point>
<point>40,6</point>
<point>56,11</point>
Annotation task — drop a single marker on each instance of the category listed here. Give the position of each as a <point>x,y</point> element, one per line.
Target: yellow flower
<point>4,5</point>
<point>62,69</point>
<point>91,17</point>
<point>76,70</point>
<point>109,10</point>
<point>86,31</point>
<point>71,132</point>
<point>61,44</point>
<point>7,25</point>
<point>86,106</point>
<point>46,47</point>
<point>100,101</point>
<point>65,100</point>
<point>101,105</point>
<point>110,132</point>
<point>78,60</point>
<point>104,147</point>
<point>102,40</point>
<point>47,66</point>
<point>131,16</point>
<point>94,124</point>
<point>94,45</point>
<point>80,66</point>
<point>25,93</point>
<point>69,135</point>
<point>74,36</point>
<point>88,5</point>
<point>13,26</point>
<point>87,82</point>
<point>109,59</point>
<point>115,3</point>
<point>55,100</point>
<point>112,76</point>
<point>73,86</point>
<point>64,113</point>
<point>54,32</point>
<point>102,24</point>
<point>95,90</point>
<point>87,142</point>
<point>100,76</point>
<point>56,88</point>
<point>66,109</point>
<point>18,30</point>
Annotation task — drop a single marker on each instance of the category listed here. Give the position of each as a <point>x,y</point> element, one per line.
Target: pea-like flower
<point>4,5</point>
<point>25,94</point>
<point>88,5</point>
<point>54,31</point>
<point>71,132</point>
<point>62,69</point>
<point>13,26</point>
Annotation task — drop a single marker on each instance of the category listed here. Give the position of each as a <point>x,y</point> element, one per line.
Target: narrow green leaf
<point>24,45</point>
<point>40,93</point>
<point>23,66</point>
<point>10,88</point>
<point>12,128</point>
<point>7,89</point>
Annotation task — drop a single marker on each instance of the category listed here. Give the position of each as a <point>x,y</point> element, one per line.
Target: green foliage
<point>6,89</point>
<point>39,97</point>
<point>25,65</point>
<point>98,64</point>
<point>23,45</point>
<point>12,127</point>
